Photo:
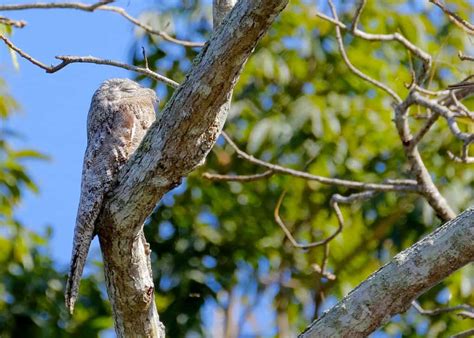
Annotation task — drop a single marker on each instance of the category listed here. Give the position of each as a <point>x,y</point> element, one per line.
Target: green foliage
<point>297,104</point>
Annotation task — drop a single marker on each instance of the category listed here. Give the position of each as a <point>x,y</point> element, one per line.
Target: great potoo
<point>121,111</point>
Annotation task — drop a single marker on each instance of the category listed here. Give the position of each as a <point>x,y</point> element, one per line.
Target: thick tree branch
<point>391,290</point>
<point>175,145</point>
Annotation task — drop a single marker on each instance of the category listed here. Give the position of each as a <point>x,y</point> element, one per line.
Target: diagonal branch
<point>414,49</point>
<point>465,25</point>
<point>391,289</point>
<point>174,146</point>
<point>66,60</point>
<point>353,69</point>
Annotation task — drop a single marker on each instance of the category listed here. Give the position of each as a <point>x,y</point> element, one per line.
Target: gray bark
<point>175,145</point>
<point>392,288</point>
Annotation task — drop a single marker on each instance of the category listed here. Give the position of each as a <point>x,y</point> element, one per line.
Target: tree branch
<point>10,22</point>
<point>66,60</point>
<point>101,5</point>
<point>392,289</point>
<point>351,67</point>
<point>393,185</point>
<point>438,311</point>
<point>237,178</point>
<point>57,5</point>
<point>176,144</point>
<point>465,25</point>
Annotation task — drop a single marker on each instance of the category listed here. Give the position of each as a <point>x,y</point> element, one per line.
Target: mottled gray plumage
<point>121,111</point>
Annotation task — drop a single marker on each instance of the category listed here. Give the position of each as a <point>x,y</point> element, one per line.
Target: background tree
<point>216,246</point>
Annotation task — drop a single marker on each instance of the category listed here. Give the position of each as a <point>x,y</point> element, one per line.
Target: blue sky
<point>54,107</point>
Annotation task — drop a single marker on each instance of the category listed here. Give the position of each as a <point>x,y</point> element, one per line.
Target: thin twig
<point>438,311</point>
<point>145,58</point>
<point>238,178</point>
<point>321,269</point>
<point>290,236</point>
<point>393,186</point>
<point>101,5</point>
<point>425,57</point>
<point>358,13</point>
<point>10,22</point>
<point>430,92</point>
<point>424,129</point>
<point>463,159</point>
<point>66,60</point>
<point>57,5</point>
<point>150,30</point>
<point>352,68</point>
<point>464,334</point>
<point>447,114</point>
<point>465,57</point>
<point>23,54</point>
<point>465,25</point>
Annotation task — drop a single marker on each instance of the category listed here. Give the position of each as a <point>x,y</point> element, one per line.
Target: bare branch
<point>57,5</point>
<point>427,187</point>
<point>464,334</point>
<point>465,25</point>
<point>335,200</point>
<point>424,129</point>
<point>321,269</point>
<point>23,54</point>
<point>290,236</point>
<point>358,13</point>
<point>354,69</point>
<point>66,60</point>
<point>10,22</point>
<point>438,311</point>
<point>174,146</point>
<point>430,92</point>
<point>415,50</point>
<point>447,115</point>
<point>165,36</point>
<point>238,178</point>
<point>101,5</point>
<point>392,289</point>
<point>465,57</point>
<point>394,186</point>
<point>465,158</point>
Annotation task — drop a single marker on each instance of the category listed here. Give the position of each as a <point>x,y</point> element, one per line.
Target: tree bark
<point>392,288</point>
<point>175,145</point>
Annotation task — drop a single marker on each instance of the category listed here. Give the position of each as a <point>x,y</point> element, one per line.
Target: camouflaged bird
<point>121,111</point>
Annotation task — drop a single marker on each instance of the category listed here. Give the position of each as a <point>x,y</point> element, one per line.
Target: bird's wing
<point>108,141</point>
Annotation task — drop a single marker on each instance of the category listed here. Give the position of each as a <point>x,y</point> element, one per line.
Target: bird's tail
<point>79,254</point>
